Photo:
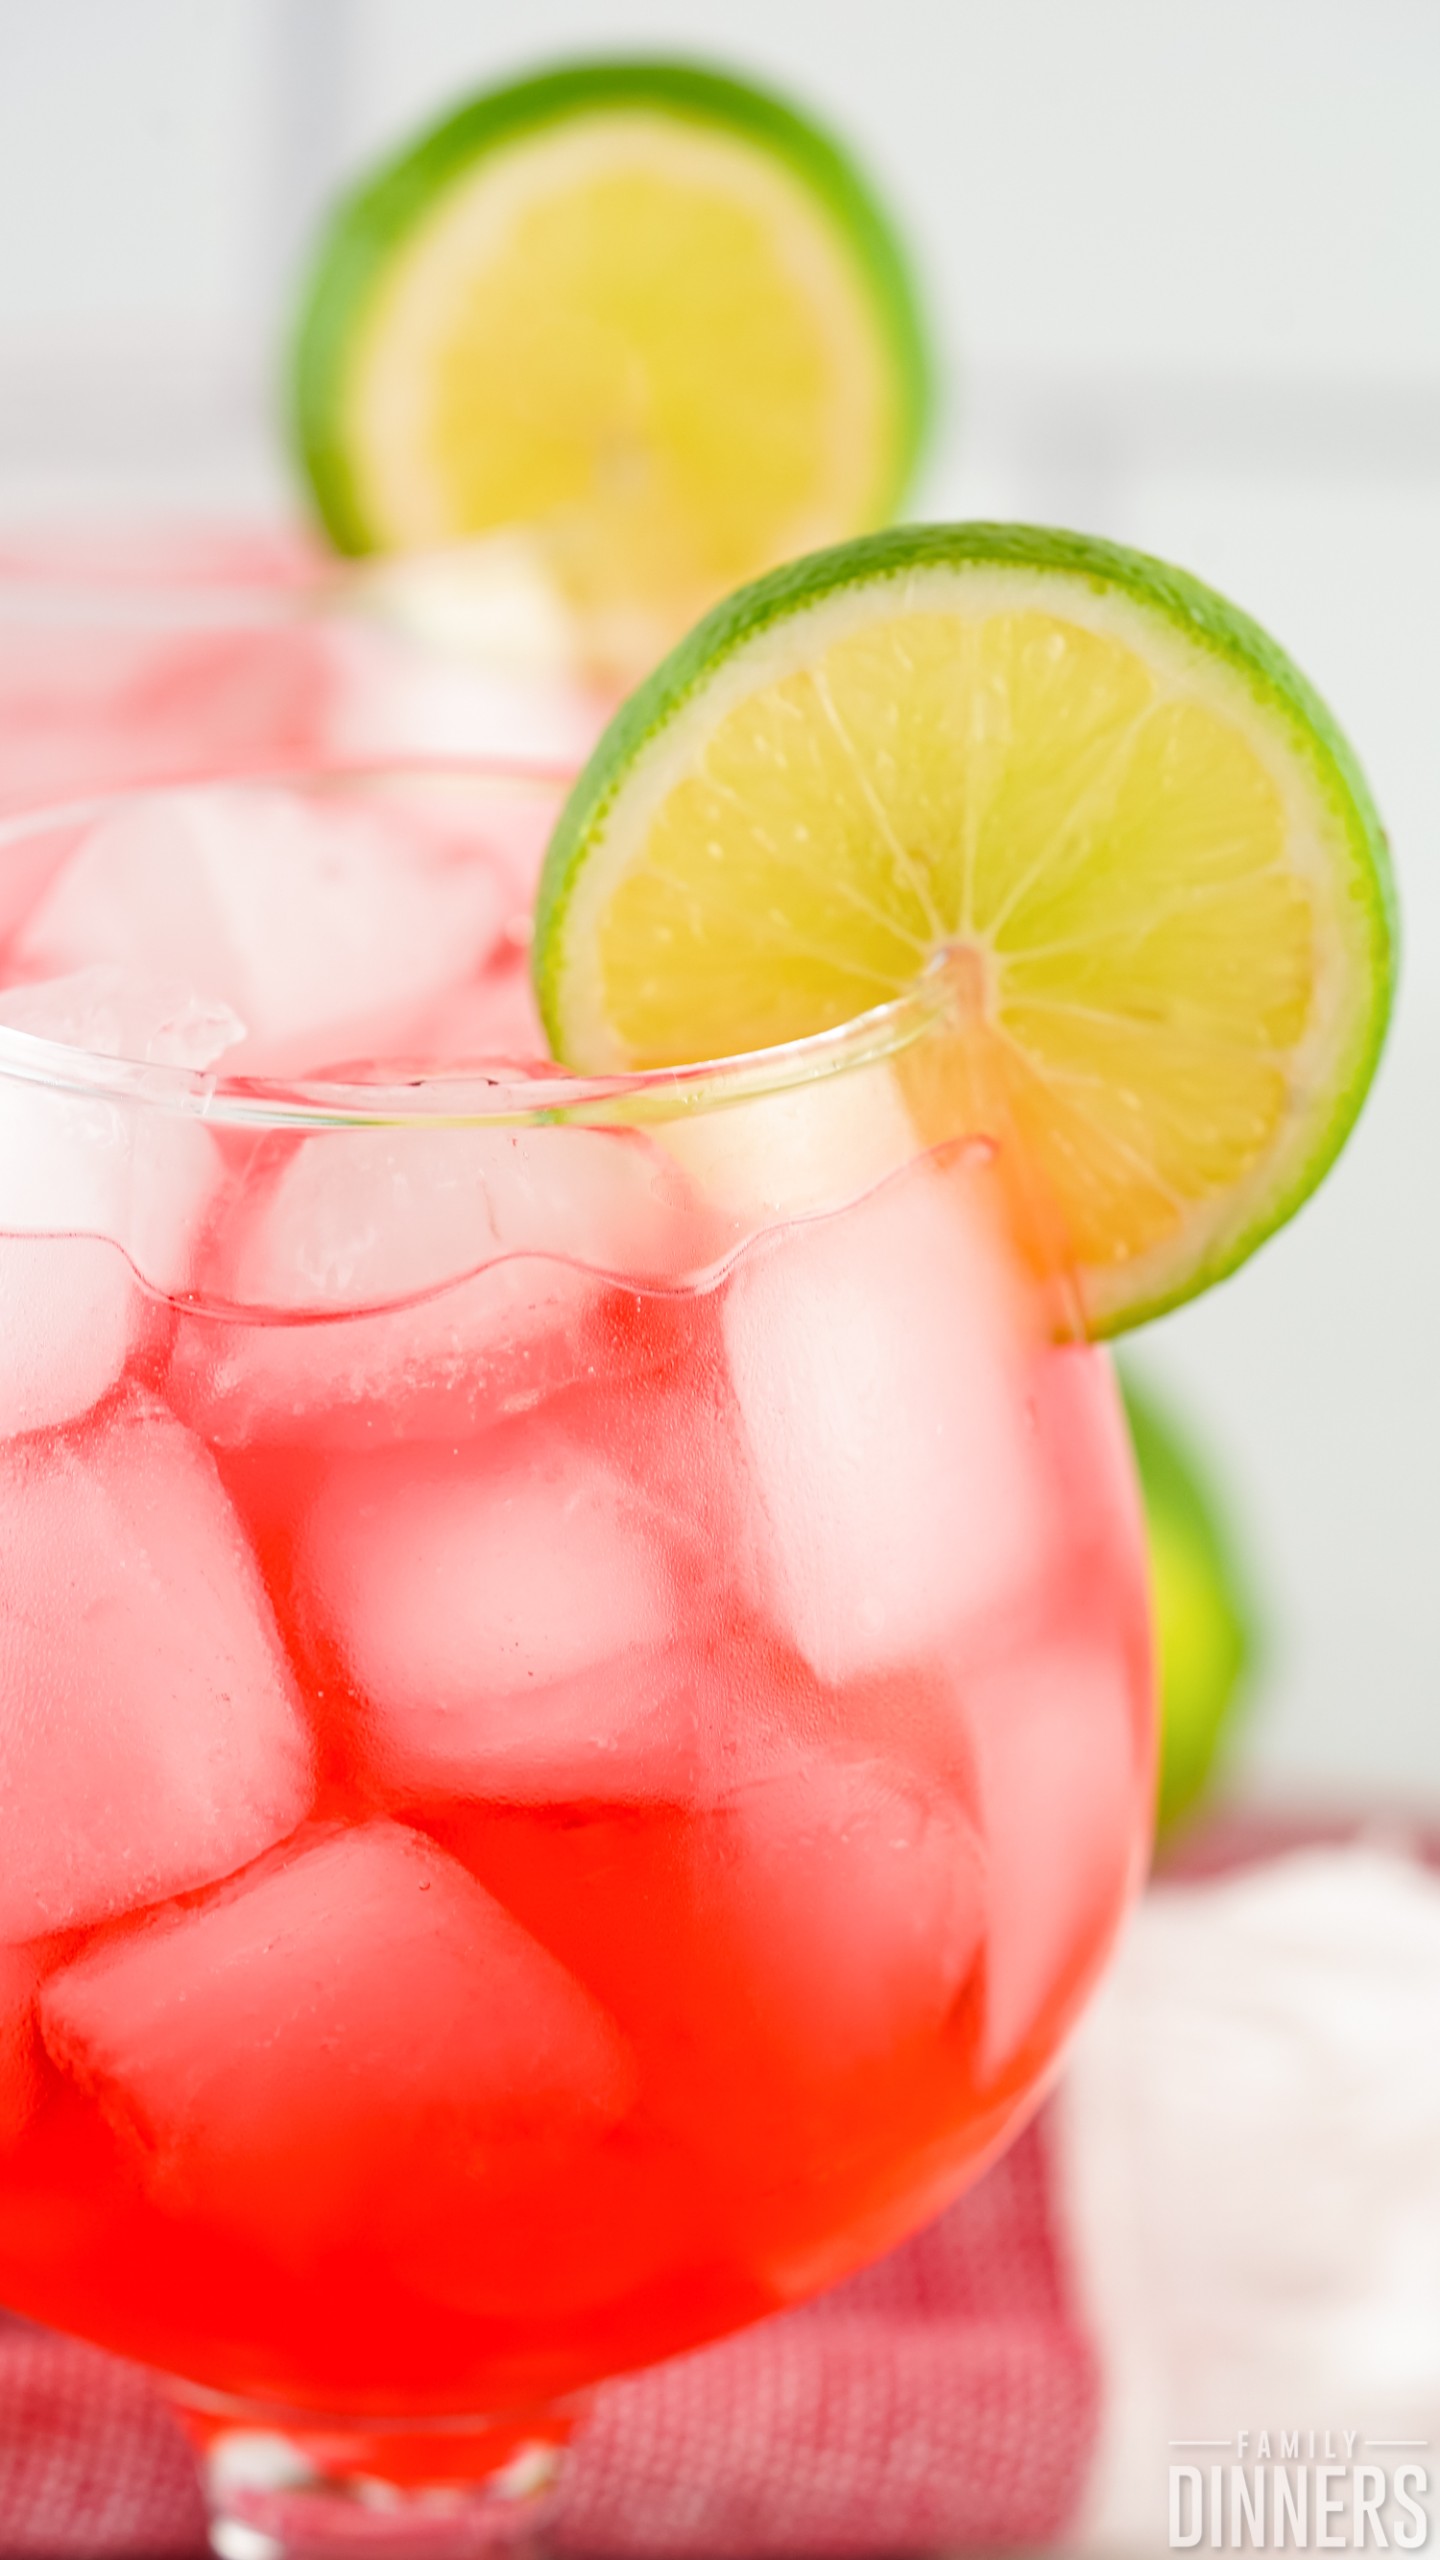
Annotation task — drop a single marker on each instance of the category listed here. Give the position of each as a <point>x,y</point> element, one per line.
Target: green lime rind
<point>1292,709</point>
<point>366,227</point>
<point>1209,1631</point>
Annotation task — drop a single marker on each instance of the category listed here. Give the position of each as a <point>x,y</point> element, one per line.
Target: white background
<point>1184,260</point>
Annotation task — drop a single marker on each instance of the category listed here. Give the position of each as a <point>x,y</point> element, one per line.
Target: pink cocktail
<point>575,1712</point>
<point>152,655</point>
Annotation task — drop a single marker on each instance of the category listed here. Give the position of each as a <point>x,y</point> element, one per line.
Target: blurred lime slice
<point>643,316</point>
<point>1205,1622</point>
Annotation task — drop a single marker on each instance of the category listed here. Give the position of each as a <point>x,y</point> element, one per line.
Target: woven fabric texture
<point>947,2396</point>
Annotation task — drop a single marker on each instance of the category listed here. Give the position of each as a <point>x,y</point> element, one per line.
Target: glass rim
<point>528,1095</point>
<point>197,574</point>
<point>188,571</point>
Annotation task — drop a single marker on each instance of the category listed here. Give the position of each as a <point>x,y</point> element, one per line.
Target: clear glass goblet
<point>151,653</point>
<point>575,1721</point>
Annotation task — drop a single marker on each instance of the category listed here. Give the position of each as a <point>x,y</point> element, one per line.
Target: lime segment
<point>1078,772</point>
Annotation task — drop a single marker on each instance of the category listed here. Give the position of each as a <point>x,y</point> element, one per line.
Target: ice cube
<point>880,1365</point>
<point>788,1958</point>
<point>418,679</point>
<point>366,1217</point>
<point>93,1190</point>
<point>632,2209</point>
<point>506,1610</point>
<point>329,930</point>
<point>149,1740</point>
<point>492,1241</point>
<point>439,1370</point>
<point>1062,1782</point>
<point>117,1014</point>
<point>19,2077</point>
<point>660,1413</point>
<point>69,1311</point>
<point>356,2020</point>
<point>490,604</point>
<point>791,1153</point>
<point>855,1908</point>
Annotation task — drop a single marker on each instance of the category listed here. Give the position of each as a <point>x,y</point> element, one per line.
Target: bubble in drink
<point>361,2015</point>
<point>327,929</point>
<point>150,1739</point>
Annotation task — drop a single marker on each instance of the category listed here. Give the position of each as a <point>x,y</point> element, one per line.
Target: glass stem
<point>286,2484</point>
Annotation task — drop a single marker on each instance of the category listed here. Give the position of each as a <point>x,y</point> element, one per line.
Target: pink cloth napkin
<point>946,2397</point>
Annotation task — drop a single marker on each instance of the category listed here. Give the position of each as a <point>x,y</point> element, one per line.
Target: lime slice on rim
<point>1097,787</point>
<point>647,315</point>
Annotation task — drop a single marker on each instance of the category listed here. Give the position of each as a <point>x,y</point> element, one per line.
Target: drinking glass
<point>145,654</point>
<point>575,1716</point>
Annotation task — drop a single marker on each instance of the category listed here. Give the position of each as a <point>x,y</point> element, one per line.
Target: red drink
<point>161,655</point>
<point>575,1720</point>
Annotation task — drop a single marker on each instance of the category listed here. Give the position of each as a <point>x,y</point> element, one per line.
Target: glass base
<point>287,2484</point>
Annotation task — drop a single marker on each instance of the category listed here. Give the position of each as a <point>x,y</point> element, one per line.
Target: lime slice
<point>1204,1615</point>
<point>1099,790</point>
<point>646,314</point>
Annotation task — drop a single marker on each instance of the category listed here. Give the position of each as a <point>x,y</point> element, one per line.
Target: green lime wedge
<point>1099,788</point>
<point>643,316</point>
<point>1205,1621</point>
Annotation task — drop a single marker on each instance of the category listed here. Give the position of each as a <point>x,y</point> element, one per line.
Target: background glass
<point>147,653</point>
